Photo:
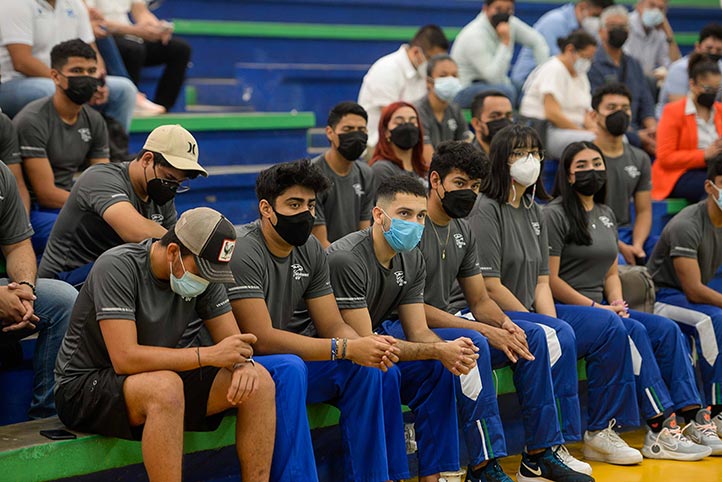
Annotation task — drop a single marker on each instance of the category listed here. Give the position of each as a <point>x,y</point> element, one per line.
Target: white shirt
<point>481,55</point>
<point>706,130</point>
<point>572,93</point>
<point>650,48</point>
<point>390,79</point>
<point>115,11</point>
<point>36,23</point>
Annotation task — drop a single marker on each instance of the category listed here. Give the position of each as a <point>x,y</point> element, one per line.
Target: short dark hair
<point>488,3</point>
<point>429,37</point>
<point>402,183</point>
<point>498,183</point>
<point>60,54</point>
<point>159,160</point>
<point>700,65</point>
<point>713,30</point>
<point>343,109</point>
<point>572,205</point>
<point>598,3</point>
<point>171,237</point>
<point>275,180</point>
<point>435,60</point>
<point>612,88</point>
<point>714,168</point>
<point>459,155</point>
<point>477,105</point>
<point>579,39</point>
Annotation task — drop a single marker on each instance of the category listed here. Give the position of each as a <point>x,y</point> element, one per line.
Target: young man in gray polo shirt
<point>118,203</point>
<point>378,274</point>
<point>119,371</point>
<point>61,135</point>
<point>346,206</point>
<point>684,261</point>
<point>491,111</point>
<point>278,267</point>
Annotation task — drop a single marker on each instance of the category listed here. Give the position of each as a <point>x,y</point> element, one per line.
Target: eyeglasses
<point>517,154</point>
<point>709,88</point>
<point>178,187</point>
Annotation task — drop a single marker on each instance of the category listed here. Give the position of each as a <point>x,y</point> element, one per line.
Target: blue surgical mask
<point>402,235</point>
<point>718,199</point>
<point>446,88</point>
<point>189,285</point>
<point>652,17</point>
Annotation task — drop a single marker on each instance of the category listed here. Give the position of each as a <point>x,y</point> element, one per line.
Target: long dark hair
<point>573,209</point>
<point>384,149</point>
<point>498,183</point>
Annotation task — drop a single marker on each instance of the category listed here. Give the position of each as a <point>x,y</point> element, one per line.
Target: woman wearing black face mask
<point>689,135</point>
<point>401,144</point>
<point>583,274</point>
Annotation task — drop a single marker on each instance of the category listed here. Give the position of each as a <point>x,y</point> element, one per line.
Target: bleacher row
<point>258,92</point>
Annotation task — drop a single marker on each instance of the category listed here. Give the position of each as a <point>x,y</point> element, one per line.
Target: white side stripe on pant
<point>483,439</point>
<point>636,357</point>
<point>555,348</point>
<point>701,322</point>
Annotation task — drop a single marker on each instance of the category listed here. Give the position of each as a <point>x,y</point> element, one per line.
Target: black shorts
<point>94,403</point>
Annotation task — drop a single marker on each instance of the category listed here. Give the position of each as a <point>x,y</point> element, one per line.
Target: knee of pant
<point>180,48</point>
<point>122,87</point>
<point>61,294</point>
<point>292,370</point>
<point>481,342</point>
<point>266,385</point>
<point>615,327</point>
<point>535,337</point>
<point>391,379</point>
<point>167,392</point>
<point>565,335</point>
<point>635,328</point>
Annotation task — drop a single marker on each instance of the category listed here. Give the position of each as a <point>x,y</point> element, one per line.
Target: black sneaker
<point>548,468</point>
<point>491,472</point>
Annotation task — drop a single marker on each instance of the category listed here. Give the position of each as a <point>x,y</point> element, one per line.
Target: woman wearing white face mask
<point>558,91</point>
<point>514,258</point>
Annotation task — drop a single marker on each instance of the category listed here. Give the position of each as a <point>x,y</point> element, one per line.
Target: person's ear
<point>265,208</point>
<point>378,216</point>
<point>55,75</point>
<point>434,180</point>
<point>172,251</point>
<point>147,159</point>
<point>329,134</point>
<point>709,188</point>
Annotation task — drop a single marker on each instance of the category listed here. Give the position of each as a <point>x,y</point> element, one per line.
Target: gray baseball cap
<point>211,238</point>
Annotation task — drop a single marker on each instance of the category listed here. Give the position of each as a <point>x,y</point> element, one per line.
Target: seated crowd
<point>402,280</point>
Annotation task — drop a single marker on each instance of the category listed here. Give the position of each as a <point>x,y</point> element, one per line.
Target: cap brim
<point>185,165</point>
<point>215,272</point>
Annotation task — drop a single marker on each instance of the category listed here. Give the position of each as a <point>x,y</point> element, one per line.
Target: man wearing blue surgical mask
<point>441,118</point>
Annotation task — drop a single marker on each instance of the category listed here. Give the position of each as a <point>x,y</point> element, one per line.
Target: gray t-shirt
<point>690,234</point>
<point>512,245</point>
<point>627,175</point>
<point>584,268</point>
<point>459,261</point>
<point>69,148</point>
<point>284,283</point>
<point>384,169</point>
<point>121,286</point>
<point>13,216</point>
<point>9,148</point>
<point>360,281</point>
<point>451,128</point>
<point>349,200</point>
<point>80,233</point>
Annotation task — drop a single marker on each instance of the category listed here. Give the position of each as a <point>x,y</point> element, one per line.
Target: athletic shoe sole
<point>670,455</point>
<point>521,478</point>
<point>591,454</point>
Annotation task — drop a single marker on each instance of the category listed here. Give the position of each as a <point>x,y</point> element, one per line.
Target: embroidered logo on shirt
<point>85,134</point>
<point>298,272</point>
<point>400,278</point>
<point>452,124</point>
<point>459,240</point>
<point>359,190</point>
<point>158,218</point>
<point>606,222</point>
<point>632,171</point>
<point>537,227</point>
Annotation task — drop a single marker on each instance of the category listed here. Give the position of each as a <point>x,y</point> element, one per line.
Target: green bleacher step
<point>246,121</point>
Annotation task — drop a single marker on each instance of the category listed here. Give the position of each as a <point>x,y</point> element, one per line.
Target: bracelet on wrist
<point>343,348</point>
<point>27,283</point>
<point>334,349</point>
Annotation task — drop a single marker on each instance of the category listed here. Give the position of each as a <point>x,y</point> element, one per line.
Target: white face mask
<point>718,199</point>
<point>652,17</point>
<point>526,170</point>
<point>591,25</point>
<point>446,88</point>
<point>582,66</point>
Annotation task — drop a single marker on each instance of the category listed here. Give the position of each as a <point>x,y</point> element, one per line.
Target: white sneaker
<point>671,444</point>
<point>703,432</point>
<point>570,461</point>
<point>606,446</point>
<point>718,423</point>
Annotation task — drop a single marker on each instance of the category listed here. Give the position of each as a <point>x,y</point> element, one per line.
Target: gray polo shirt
<point>13,216</point>
<point>349,200</point>
<point>512,245</point>
<point>384,169</point>
<point>284,283</point>
<point>80,233</point>
<point>69,148</point>
<point>360,281</point>
<point>121,286</point>
<point>584,268</point>
<point>649,47</point>
<point>452,127</point>
<point>460,260</point>
<point>9,148</point>
<point>690,234</point>
<point>627,175</point>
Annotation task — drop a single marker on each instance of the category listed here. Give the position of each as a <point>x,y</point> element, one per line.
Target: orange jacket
<point>677,150</point>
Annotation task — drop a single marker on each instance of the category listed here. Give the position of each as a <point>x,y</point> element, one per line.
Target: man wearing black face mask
<point>60,135</point>
<point>346,206</point>
<point>629,172</point>
<point>490,112</point>
<point>611,64</point>
<point>118,203</point>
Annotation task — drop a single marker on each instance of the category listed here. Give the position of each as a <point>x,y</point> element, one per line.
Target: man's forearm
<point>642,228</point>
<point>20,262</point>
<point>410,351</point>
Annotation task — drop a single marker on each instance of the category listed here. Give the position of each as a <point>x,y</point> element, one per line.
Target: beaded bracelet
<point>343,349</point>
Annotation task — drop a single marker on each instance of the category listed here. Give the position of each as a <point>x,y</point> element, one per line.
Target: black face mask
<point>81,88</point>
<point>352,144</point>
<point>458,204</point>
<point>295,229</point>
<point>617,123</point>
<point>498,18</point>
<point>588,183</point>
<point>706,99</point>
<point>495,126</point>
<point>159,191</point>
<point>405,136</point>
<point>714,57</point>
<point>617,37</point>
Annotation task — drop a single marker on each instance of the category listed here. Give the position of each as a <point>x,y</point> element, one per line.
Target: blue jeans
<point>53,306</point>
<point>111,55</point>
<point>77,276</point>
<point>467,94</point>
<point>42,221</point>
<point>18,92</point>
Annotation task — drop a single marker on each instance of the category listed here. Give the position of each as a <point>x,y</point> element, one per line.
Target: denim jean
<point>111,55</point>
<point>466,96</point>
<point>54,304</point>
<point>18,92</point>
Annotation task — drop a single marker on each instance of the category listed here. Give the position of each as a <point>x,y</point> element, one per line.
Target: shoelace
<point>676,434</point>
<point>707,429</point>
<point>563,454</point>
<point>612,436</point>
<point>556,458</point>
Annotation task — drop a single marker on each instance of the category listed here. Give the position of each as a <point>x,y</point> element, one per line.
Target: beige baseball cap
<point>211,238</point>
<point>178,147</point>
